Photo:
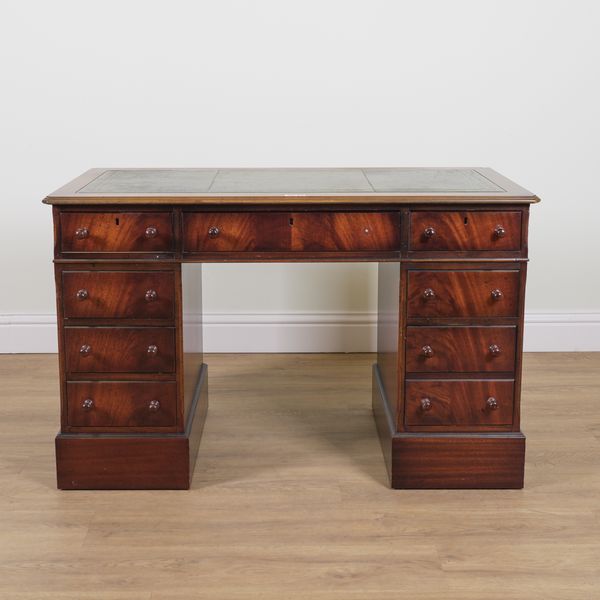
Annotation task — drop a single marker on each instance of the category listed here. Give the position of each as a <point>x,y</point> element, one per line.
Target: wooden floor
<point>290,498</point>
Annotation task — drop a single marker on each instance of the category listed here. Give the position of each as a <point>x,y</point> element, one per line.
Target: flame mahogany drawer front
<point>463,293</point>
<point>120,349</point>
<point>116,232</point>
<point>116,294</point>
<point>468,230</point>
<point>121,403</point>
<point>460,349</point>
<point>460,403</point>
<point>291,232</point>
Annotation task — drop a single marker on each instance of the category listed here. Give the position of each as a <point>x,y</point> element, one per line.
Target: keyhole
<point>291,222</point>
<point>466,220</point>
<point>116,221</point>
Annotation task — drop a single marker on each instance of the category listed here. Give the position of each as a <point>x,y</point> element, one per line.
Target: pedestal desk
<point>451,248</point>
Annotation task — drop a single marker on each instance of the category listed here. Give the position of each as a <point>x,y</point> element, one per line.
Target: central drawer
<point>119,294</point>
<point>460,349</point>
<point>120,349</point>
<point>291,231</point>
<point>122,403</point>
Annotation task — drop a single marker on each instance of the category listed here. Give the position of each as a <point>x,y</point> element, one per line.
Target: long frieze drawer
<point>291,232</point>
<point>236,232</point>
<point>463,293</point>
<point>122,403</point>
<point>465,230</point>
<point>119,294</point>
<point>460,349</point>
<point>116,232</point>
<point>461,403</point>
<point>120,350</point>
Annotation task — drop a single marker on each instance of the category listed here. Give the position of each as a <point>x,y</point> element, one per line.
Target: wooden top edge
<point>513,193</point>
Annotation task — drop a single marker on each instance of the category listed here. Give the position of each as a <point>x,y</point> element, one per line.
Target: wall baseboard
<point>308,332</point>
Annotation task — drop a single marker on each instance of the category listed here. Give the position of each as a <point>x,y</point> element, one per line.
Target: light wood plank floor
<point>290,498</point>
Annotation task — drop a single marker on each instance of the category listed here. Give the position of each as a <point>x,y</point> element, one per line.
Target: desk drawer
<point>120,350</point>
<point>463,293</point>
<point>122,403</point>
<point>460,349</point>
<point>116,232</point>
<point>465,230</point>
<point>291,232</point>
<point>119,294</point>
<point>460,403</point>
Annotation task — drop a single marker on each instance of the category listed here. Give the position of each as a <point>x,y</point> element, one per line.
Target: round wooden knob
<point>497,294</point>
<point>82,294</point>
<point>213,232</point>
<point>81,233</point>
<point>427,351</point>
<point>499,231</point>
<point>429,232</point>
<point>151,232</point>
<point>152,350</point>
<point>87,404</point>
<point>151,295</point>
<point>85,350</point>
<point>428,294</point>
<point>492,403</point>
<point>154,405</point>
<point>425,404</point>
<point>495,350</point>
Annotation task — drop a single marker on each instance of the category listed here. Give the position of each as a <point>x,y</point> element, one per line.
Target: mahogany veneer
<point>452,251</point>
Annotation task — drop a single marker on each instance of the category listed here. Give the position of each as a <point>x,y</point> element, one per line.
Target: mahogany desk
<point>451,245</point>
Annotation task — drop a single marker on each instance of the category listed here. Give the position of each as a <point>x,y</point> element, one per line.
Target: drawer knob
<point>151,232</point>
<point>152,349</point>
<point>497,294</point>
<point>425,404</point>
<point>81,233</point>
<point>85,350</point>
<point>213,232</point>
<point>429,232</point>
<point>87,404</point>
<point>495,350</point>
<point>491,403</point>
<point>154,405</point>
<point>82,294</point>
<point>499,231</point>
<point>428,294</point>
<point>427,351</point>
<point>151,295</point>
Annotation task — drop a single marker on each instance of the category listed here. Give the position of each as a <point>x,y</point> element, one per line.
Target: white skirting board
<point>308,332</point>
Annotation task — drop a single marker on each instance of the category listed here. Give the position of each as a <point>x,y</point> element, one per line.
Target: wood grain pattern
<point>120,349</point>
<point>464,230</point>
<point>458,403</point>
<point>113,294</point>
<point>459,349</point>
<point>317,509</point>
<point>491,293</point>
<point>116,232</point>
<point>122,404</point>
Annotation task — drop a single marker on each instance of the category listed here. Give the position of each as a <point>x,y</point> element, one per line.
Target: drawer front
<point>120,350</point>
<point>461,403</point>
<point>116,232</point>
<point>468,230</point>
<point>122,403</point>
<point>345,231</point>
<point>236,232</point>
<point>111,294</point>
<point>460,349</point>
<point>463,293</point>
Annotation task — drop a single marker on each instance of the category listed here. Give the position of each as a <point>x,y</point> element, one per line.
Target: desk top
<point>285,186</point>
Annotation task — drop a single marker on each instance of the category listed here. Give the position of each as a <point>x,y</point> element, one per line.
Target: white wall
<point>508,84</point>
